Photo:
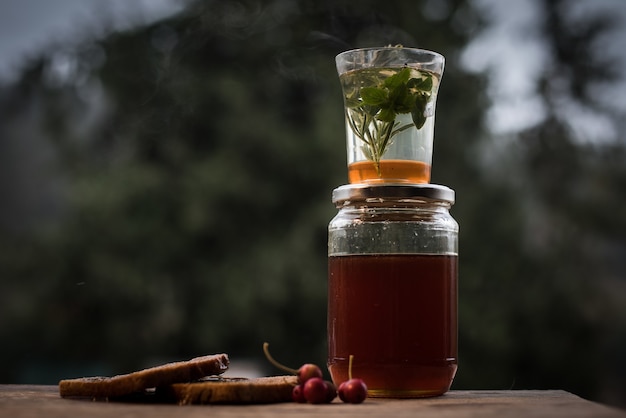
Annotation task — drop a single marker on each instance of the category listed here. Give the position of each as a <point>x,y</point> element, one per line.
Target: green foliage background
<point>168,195</point>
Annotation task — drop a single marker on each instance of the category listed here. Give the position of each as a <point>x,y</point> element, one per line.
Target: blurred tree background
<point>166,191</point>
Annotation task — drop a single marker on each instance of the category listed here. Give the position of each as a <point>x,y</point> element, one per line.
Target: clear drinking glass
<point>389,96</point>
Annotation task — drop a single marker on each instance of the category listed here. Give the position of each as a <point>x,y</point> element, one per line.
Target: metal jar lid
<point>395,191</point>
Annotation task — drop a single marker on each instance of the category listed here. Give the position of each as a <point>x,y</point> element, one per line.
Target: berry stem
<point>350,367</point>
<point>275,363</point>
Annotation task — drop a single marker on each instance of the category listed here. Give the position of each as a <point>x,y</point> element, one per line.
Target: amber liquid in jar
<point>397,314</point>
<point>396,171</point>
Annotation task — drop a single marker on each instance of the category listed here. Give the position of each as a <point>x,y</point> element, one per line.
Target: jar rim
<point>360,191</point>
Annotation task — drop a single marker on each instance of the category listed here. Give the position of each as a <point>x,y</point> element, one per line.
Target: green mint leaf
<point>386,115</point>
<point>418,118</point>
<point>398,79</point>
<point>352,102</point>
<point>417,114</point>
<point>401,99</point>
<point>423,84</point>
<point>373,96</point>
<point>370,110</point>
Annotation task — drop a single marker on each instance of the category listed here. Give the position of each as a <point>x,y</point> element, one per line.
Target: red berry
<point>331,391</point>
<point>297,394</point>
<point>308,371</point>
<point>353,391</point>
<point>311,387</point>
<point>315,390</point>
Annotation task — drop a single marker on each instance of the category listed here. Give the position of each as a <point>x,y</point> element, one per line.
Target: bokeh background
<point>166,170</point>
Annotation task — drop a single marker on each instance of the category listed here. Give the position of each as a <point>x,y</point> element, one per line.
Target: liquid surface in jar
<point>395,171</point>
<point>397,314</point>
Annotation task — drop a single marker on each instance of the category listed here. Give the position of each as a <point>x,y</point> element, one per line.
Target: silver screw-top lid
<point>399,191</point>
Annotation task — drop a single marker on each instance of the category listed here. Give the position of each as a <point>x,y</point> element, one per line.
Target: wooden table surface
<point>44,401</point>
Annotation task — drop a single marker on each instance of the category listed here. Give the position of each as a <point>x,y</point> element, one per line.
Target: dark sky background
<point>510,49</point>
<point>27,26</point>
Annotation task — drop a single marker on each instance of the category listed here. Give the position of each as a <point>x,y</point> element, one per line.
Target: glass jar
<point>392,288</point>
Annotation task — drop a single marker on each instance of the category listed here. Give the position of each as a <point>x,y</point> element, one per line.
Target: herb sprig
<point>372,110</point>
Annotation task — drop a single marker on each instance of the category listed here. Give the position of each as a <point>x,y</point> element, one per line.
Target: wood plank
<point>17,401</point>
